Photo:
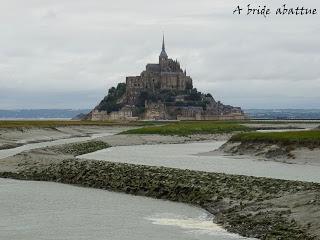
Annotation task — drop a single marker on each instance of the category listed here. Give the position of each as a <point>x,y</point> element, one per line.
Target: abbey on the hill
<point>162,91</point>
<point>165,75</point>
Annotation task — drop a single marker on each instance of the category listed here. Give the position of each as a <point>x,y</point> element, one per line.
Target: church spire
<point>163,45</point>
<point>163,54</point>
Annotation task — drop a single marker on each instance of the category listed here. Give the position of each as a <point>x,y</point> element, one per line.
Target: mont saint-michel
<point>163,91</point>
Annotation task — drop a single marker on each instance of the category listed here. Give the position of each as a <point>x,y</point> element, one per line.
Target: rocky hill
<point>162,91</point>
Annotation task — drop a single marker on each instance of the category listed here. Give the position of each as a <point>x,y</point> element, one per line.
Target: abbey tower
<point>165,75</point>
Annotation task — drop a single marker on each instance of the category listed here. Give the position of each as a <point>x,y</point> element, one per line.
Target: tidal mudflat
<point>203,157</point>
<point>264,208</point>
<point>291,147</point>
<point>13,137</point>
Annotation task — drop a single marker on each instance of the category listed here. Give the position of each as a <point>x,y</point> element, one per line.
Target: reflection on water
<point>193,156</point>
<point>43,210</point>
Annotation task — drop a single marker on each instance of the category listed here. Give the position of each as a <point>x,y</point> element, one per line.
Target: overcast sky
<point>67,53</point>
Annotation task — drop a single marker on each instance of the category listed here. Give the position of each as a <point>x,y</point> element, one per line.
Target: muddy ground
<point>254,207</point>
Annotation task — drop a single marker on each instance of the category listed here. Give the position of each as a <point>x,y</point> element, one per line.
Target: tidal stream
<point>199,156</point>
<point>44,210</point>
<point>47,211</point>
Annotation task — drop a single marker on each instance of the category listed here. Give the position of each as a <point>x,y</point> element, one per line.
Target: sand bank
<point>292,154</point>
<point>251,206</point>
<point>15,137</point>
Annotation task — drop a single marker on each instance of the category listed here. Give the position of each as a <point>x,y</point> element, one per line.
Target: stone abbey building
<point>165,75</point>
<point>162,91</point>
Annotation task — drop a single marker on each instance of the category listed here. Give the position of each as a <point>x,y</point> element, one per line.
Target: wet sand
<point>15,137</point>
<point>271,152</point>
<point>240,204</point>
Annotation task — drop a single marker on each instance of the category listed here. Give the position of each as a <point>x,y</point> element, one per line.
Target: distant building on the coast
<point>162,91</point>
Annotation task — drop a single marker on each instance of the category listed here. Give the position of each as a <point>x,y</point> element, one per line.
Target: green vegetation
<point>192,97</point>
<point>111,101</point>
<point>77,149</point>
<point>59,123</point>
<point>303,138</point>
<point>189,128</point>
<point>114,99</point>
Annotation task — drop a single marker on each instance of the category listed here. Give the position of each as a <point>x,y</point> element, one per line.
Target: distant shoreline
<point>32,119</point>
<point>263,114</point>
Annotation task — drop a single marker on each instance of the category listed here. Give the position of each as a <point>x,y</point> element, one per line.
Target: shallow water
<point>46,211</point>
<point>194,156</point>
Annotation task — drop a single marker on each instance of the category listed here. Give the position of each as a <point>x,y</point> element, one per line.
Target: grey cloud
<point>76,50</point>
